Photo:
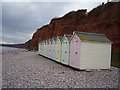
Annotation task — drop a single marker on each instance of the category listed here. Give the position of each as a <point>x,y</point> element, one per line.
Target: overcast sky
<point>21,19</point>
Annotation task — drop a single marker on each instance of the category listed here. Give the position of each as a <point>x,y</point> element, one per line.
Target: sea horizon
<point>4,48</point>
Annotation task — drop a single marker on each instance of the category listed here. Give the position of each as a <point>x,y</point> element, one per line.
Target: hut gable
<point>59,39</point>
<point>75,38</point>
<point>64,39</point>
<point>53,40</point>
<point>43,42</point>
<point>46,42</point>
<point>68,36</point>
<point>49,42</point>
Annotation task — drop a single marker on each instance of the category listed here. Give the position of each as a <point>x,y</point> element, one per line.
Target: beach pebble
<point>27,69</point>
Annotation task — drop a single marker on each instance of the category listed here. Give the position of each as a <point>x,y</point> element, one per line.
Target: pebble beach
<point>27,69</point>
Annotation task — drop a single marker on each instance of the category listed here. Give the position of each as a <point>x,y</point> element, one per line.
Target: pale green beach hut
<point>65,49</point>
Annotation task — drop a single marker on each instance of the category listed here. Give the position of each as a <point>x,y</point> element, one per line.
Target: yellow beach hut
<point>58,48</point>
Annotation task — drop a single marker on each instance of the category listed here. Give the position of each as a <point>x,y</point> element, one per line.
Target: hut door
<point>66,52</point>
<point>75,53</point>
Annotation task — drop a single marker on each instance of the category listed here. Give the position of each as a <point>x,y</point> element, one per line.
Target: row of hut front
<point>81,50</point>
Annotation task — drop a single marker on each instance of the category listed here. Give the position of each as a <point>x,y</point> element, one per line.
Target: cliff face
<point>103,19</point>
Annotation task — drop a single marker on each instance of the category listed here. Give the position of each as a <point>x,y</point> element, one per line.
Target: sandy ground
<point>25,69</point>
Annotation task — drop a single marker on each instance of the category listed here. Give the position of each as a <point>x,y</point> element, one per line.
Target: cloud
<point>54,0</point>
<point>24,18</point>
<point>0,21</point>
<point>21,20</point>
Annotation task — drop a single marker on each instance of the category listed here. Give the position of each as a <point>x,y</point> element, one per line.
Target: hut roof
<point>42,42</point>
<point>92,36</point>
<point>46,41</point>
<point>68,36</point>
<point>53,39</point>
<point>49,40</point>
<point>60,37</point>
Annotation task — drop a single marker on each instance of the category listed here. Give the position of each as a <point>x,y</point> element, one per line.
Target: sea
<point>3,48</point>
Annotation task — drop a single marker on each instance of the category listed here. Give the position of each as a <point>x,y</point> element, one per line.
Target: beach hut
<point>58,48</point>
<point>42,47</point>
<point>46,48</point>
<point>39,48</point>
<point>53,48</point>
<point>65,49</point>
<point>90,51</point>
<point>49,48</point>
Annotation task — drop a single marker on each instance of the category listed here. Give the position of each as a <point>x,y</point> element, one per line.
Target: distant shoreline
<point>8,49</point>
<point>13,45</point>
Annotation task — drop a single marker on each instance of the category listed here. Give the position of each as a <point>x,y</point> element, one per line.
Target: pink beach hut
<point>90,51</point>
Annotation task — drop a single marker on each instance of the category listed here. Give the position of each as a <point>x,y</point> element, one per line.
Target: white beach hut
<point>46,48</point>
<point>49,48</point>
<point>53,48</point>
<point>90,51</point>
<point>39,48</point>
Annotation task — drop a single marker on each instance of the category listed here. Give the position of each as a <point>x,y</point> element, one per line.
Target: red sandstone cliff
<point>104,19</point>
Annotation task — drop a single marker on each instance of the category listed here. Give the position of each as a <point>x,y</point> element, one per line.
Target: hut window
<point>65,51</point>
<point>76,41</point>
<point>75,52</point>
<point>58,51</point>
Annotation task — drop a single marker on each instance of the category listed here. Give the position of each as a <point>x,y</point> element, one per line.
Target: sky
<point>20,20</point>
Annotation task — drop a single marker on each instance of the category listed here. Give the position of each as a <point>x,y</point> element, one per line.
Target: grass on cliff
<point>115,60</point>
<point>33,49</point>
